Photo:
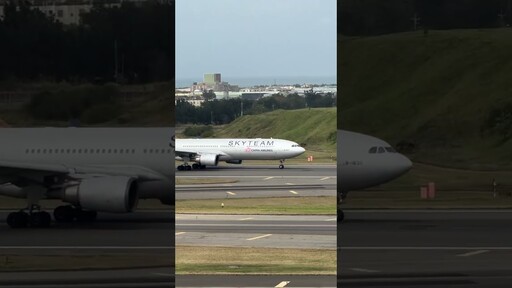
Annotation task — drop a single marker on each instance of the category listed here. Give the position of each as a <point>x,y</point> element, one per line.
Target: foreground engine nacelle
<point>108,194</point>
<point>234,161</point>
<point>207,159</point>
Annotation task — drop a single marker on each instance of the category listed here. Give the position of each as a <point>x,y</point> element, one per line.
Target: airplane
<point>208,152</point>
<point>92,169</point>
<point>366,161</point>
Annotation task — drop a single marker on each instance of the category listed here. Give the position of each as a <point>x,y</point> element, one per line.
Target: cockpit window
<point>381,150</point>
<point>372,150</point>
<point>390,149</point>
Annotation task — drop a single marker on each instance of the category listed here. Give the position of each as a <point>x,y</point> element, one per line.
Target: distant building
<point>212,79</point>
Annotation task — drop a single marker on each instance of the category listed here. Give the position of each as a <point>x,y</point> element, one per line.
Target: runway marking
<point>502,248</point>
<point>86,247</point>
<point>268,178</point>
<point>294,192</point>
<point>325,178</point>
<point>231,193</point>
<point>289,184</point>
<point>472,253</point>
<point>282,284</point>
<point>249,218</point>
<point>259,237</point>
<point>331,219</point>
<point>227,185</point>
<point>364,270</point>
<point>179,233</point>
<point>163,274</point>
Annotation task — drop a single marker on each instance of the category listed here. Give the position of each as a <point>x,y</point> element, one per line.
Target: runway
<point>144,236</point>
<point>312,232</point>
<point>260,182</point>
<point>425,248</point>
<point>323,170</point>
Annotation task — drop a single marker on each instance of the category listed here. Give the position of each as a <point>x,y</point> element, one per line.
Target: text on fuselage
<point>251,143</point>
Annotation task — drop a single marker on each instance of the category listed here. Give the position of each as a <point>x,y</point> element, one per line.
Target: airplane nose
<point>404,164</point>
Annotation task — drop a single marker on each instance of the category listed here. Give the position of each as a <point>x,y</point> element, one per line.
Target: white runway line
<point>364,270</point>
<point>419,248</point>
<point>294,192</point>
<point>231,193</point>
<point>282,284</point>
<point>268,178</point>
<point>330,219</point>
<point>86,247</point>
<point>289,183</point>
<point>248,218</point>
<point>325,178</point>
<point>179,233</point>
<point>472,253</point>
<point>259,237</point>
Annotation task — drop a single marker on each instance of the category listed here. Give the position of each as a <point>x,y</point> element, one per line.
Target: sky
<point>255,38</point>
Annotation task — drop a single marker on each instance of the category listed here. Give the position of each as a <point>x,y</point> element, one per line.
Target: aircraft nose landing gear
<point>281,164</point>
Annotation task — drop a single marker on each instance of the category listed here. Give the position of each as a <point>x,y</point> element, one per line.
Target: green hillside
<point>449,93</point>
<point>316,127</point>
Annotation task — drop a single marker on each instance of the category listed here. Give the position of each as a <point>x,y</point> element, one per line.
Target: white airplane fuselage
<point>230,149</point>
<point>367,161</point>
<point>143,153</point>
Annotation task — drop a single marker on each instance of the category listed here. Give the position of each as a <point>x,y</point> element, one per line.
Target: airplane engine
<point>108,194</point>
<point>207,159</point>
<point>234,161</point>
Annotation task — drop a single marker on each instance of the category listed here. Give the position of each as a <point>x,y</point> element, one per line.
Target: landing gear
<point>34,217</point>
<point>281,164</point>
<point>341,215</point>
<point>17,219</point>
<point>68,213</point>
<point>341,197</point>
<point>186,167</point>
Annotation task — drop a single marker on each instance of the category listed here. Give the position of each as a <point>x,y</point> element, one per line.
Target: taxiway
<point>425,248</point>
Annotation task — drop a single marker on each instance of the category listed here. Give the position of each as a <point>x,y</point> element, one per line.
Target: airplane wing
<point>15,171</point>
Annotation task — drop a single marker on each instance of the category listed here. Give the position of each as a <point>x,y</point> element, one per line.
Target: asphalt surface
<point>425,248</point>
<point>263,171</point>
<point>260,181</point>
<point>311,232</point>
<point>146,235</point>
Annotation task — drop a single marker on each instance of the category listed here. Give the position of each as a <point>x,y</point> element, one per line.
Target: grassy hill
<point>449,93</point>
<point>316,127</point>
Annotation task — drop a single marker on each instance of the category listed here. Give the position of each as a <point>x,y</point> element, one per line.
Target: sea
<point>270,80</point>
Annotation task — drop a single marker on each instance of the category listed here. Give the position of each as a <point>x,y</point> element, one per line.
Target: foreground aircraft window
<point>150,151</point>
<point>50,151</point>
<point>381,150</point>
<point>373,150</point>
<point>133,151</point>
<point>390,149</point>
<point>26,151</point>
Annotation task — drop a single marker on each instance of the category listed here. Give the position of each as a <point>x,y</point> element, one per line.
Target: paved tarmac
<point>260,182</point>
<point>312,232</point>
<point>146,235</point>
<point>425,248</point>
<point>263,171</point>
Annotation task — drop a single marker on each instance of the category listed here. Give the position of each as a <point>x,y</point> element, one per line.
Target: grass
<point>436,91</point>
<point>456,188</point>
<point>15,262</point>
<point>322,205</point>
<point>314,128</point>
<point>234,260</point>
